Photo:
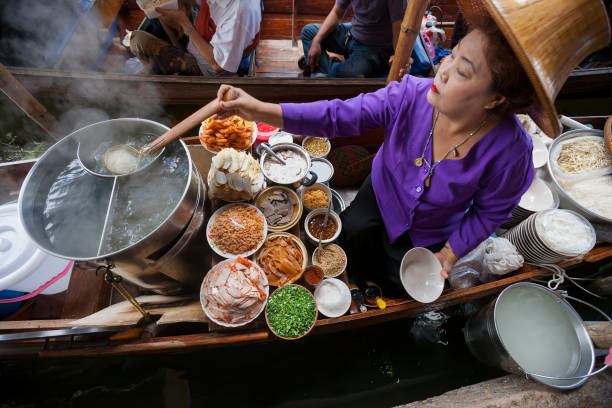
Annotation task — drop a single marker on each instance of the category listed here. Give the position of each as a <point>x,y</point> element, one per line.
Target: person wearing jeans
<point>367,44</point>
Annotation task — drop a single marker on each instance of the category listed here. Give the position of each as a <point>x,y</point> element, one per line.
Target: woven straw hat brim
<point>550,38</point>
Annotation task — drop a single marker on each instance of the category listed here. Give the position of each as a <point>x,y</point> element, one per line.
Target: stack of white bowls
<point>552,235</point>
<point>538,197</point>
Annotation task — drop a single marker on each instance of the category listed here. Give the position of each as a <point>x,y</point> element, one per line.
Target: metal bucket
<point>146,224</point>
<point>499,348</point>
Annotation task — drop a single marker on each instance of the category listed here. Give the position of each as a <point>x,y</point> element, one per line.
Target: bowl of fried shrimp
<point>235,132</point>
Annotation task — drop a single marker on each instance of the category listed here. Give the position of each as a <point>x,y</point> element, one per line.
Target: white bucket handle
<point>563,294</point>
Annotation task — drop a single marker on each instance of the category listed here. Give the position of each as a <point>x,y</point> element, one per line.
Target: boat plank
<point>182,90</point>
<point>35,324</point>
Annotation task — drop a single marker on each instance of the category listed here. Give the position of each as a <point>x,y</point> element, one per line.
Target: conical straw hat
<point>550,38</point>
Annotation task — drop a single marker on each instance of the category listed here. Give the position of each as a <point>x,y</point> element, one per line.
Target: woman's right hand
<point>235,101</point>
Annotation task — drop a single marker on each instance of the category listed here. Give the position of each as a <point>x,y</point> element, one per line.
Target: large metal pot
<point>145,224</point>
<point>565,200</point>
<point>305,178</point>
<point>487,343</point>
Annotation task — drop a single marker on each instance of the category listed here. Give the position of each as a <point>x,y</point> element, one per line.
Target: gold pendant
<point>427,181</point>
<point>418,161</point>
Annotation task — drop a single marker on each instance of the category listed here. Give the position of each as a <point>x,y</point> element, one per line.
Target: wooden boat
<point>183,326</point>
<point>275,80</point>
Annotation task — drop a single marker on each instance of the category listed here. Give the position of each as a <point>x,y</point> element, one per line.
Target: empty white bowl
<point>538,197</point>
<point>333,297</point>
<point>420,275</point>
<point>540,152</point>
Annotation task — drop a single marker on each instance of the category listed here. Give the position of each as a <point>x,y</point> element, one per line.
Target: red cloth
<point>206,27</point>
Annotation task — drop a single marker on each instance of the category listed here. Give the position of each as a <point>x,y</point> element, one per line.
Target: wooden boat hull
<point>88,293</point>
<point>183,90</point>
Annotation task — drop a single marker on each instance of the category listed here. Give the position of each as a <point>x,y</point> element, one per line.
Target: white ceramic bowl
<point>218,250</point>
<point>336,287</point>
<point>332,214</point>
<point>253,138</point>
<point>256,310</point>
<point>540,152</point>
<point>315,186</point>
<point>538,197</point>
<point>323,169</point>
<point>420,275</point>
<point>314,255</point>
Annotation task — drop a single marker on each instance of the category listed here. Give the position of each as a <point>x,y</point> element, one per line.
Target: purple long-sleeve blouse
<point>468,198</point>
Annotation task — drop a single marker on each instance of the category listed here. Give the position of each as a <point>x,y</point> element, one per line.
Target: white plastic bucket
<point>23,266</point>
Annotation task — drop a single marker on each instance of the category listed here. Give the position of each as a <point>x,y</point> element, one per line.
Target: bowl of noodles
<point>235,132</point>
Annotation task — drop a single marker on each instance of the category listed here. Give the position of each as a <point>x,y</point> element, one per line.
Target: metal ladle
<point>325,220</point>
<point>153,148</point>
<point>272,153</point>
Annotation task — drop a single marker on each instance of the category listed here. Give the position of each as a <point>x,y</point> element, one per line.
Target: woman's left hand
<point>447,258</point>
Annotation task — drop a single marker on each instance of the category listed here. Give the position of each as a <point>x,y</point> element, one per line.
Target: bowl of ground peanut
<point>331,258</point>
<point>315,196</point>
<point>318,147</point>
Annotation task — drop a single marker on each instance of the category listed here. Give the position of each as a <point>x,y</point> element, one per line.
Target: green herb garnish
<point>291,311</point>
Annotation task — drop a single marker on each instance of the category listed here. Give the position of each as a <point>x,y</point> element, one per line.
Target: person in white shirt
<point>220,33</point>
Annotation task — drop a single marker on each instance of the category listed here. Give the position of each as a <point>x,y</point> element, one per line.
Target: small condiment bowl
<point>313,323</point>
<point>312,270</point>
<point>420,275</point>
<point>327,144</point>
<point>344,302</point>
<point>323,169</point>
<point>297,208</point>
<point>332,215</point>
<point>315,186</point>
<point>314,258</point>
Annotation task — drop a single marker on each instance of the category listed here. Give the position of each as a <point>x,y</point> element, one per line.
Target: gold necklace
<point>419,160</point>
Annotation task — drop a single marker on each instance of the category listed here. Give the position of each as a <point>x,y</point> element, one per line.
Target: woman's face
<point>463,82</point>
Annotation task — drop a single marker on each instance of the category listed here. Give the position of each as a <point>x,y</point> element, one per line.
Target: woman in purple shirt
<point>454,162</point>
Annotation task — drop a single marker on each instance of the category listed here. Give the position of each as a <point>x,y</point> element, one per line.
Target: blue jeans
<point>360,60</point>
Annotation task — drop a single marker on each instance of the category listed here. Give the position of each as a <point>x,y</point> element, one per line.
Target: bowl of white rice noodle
<point>580,167</point>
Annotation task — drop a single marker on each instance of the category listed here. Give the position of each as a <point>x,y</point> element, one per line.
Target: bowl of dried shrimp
<point>235,132</point>
<point>283,258</point>
<point>234,292</point>
<point>236,230</point>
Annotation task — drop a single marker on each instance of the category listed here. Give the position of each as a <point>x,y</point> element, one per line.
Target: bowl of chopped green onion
<point>291,312</point>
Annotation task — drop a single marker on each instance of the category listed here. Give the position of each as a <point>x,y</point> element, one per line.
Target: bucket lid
<point>19,256</point>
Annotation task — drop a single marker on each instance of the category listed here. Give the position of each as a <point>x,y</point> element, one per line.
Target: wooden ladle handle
<point>608,133</point>
<point>183,126</point>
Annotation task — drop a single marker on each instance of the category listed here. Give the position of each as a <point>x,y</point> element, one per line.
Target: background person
<point>220,33</point>
<point>367,43</point>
